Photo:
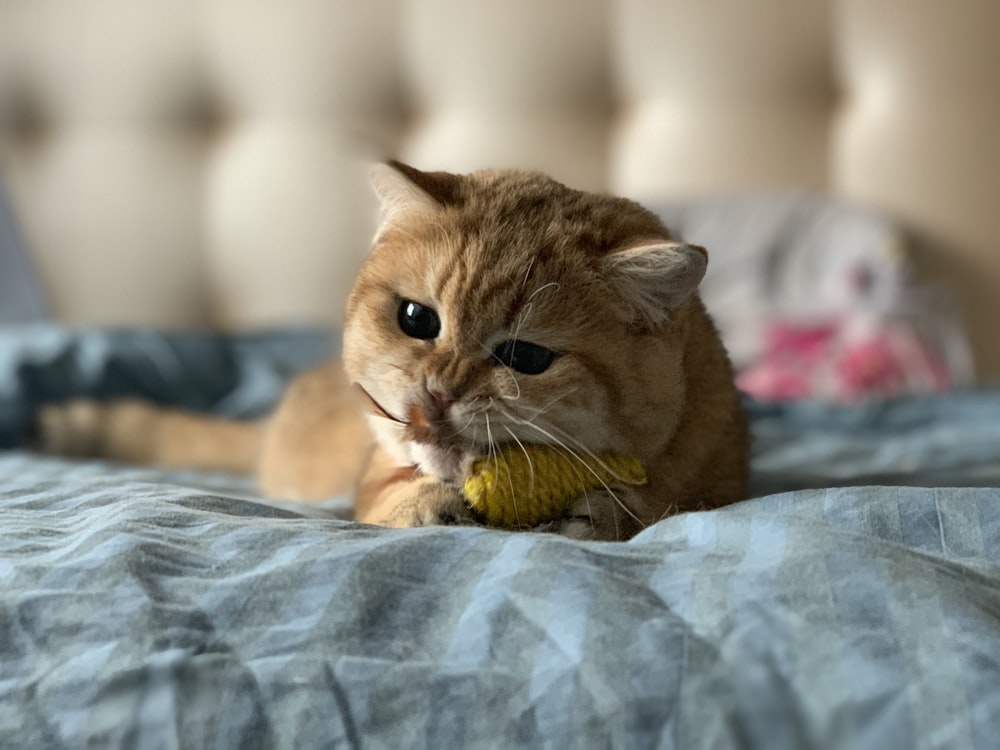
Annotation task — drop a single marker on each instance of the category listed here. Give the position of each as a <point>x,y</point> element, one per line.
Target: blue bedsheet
<point>141,608</point>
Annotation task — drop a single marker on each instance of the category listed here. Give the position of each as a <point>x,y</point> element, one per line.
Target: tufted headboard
<point>202,162</point>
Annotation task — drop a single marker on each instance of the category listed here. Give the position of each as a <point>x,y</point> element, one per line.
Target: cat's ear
<point>405,191</point>
<point>655,278</point>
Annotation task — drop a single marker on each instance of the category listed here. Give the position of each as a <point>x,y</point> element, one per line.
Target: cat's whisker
<point>572,465</point>
<point>521,318</point>
<point>569,437</point>
<point>549,404</point>
<point>486,409</point>
<point>473,413</point>
<point>510,372</point>
<point>513,494</point>
<point>583,448</point>
<point>543,287</point>
<point>590,511</point>
<point>614,496</point>
<point>480,409</point>
<point>492,448</point>
<point>526,310</point>
<point>517,385</point>
<point>507,369</point>
<point>559,443</point>
<point>668,511</point>
<point>531,466</point>
<point>527,272</point>
<point>468,422</point>
<point>495,453</point>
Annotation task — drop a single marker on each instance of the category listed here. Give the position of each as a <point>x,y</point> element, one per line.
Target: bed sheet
<point>135,612</point>
<point>145,608</point>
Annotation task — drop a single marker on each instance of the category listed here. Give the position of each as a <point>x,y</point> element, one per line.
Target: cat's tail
<point>144,433</point>
<point>313,446</point>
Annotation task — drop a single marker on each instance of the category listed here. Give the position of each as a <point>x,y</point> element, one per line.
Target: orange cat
<point>497,307</point>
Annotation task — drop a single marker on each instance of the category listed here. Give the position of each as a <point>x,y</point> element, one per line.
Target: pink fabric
<point>844,362</point>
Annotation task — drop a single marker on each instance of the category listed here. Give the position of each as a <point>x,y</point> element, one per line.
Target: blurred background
<point>203,163</point>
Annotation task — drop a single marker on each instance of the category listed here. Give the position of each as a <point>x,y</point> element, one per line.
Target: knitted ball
<point>543,480</point>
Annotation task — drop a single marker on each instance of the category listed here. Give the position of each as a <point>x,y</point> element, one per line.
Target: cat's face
<point>503,307</point>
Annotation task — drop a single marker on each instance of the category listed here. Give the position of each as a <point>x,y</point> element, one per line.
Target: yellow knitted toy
<point>544,485</point>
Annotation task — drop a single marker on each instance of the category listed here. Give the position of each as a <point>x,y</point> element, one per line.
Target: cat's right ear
<point>406,191</point>
<point>656,277</point>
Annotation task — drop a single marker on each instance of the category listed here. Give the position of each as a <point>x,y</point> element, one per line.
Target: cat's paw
<point>72,428</point>
<point>601,516</point>
<point>123,430</point>
<point>573,527</point>
<point>432,503</point>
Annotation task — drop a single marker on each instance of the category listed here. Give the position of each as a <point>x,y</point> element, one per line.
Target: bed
<point>854,602</point>
<point>208,178</point>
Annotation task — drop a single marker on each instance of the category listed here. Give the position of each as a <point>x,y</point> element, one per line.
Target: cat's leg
<point>316,442</point>
<point>400,497</point>
<point>423,502</point>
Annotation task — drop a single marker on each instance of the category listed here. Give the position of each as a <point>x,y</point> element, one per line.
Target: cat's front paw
<point>432,503</point>
<point>602,516</point>
<point>573,527</point>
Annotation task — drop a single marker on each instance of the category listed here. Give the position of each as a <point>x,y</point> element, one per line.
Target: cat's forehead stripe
<point>448,275</point>
<point>501,293</point>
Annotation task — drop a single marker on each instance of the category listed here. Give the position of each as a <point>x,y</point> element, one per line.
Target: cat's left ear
<point>655,278</point>
<point>406,191</point>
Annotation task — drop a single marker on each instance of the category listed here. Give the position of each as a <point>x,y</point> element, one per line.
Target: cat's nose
<point>440,402</point>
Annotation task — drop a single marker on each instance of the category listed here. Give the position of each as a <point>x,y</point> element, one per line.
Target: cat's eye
<point>418,321</point>
<point>524,357</point>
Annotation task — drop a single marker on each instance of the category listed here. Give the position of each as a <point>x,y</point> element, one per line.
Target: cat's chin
<point>444,462</point>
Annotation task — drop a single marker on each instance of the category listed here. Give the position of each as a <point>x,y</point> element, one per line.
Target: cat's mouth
<point>377,407</point>
<point>435,446</point>
<point>448,463</point>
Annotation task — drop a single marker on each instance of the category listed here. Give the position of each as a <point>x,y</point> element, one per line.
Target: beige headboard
<point>199,162</point>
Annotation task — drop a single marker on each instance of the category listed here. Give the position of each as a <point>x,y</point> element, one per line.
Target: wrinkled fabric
<point>943,440</point>
<point>146,608</point>
<point>135,612</point>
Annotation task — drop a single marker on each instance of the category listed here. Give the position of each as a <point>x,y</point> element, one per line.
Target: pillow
<point>814,297</point>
